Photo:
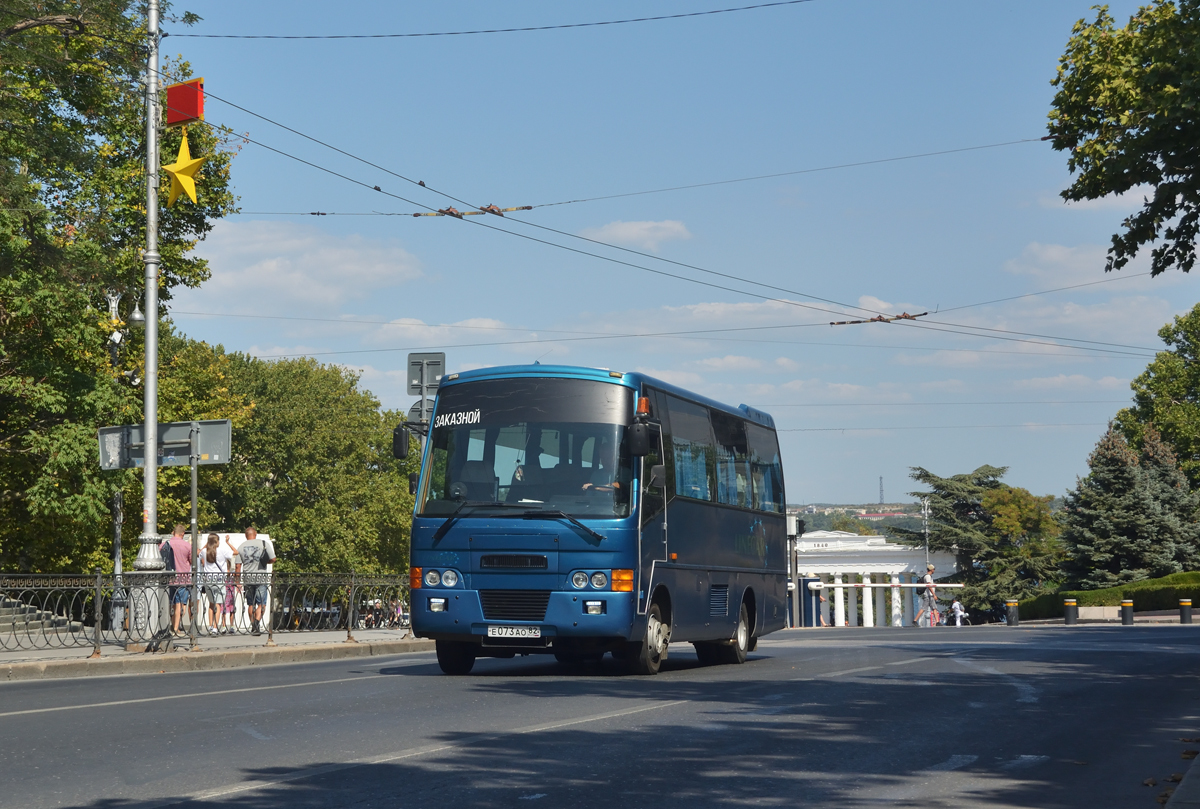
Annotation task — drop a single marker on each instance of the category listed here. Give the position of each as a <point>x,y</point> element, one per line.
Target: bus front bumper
<point>450,614</point>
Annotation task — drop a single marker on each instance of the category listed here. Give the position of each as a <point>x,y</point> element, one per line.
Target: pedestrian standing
<point>178,552</point>
<point>228,624</point>
<point>254,558</point>
<point>928,597</point>
<point>214,564</point>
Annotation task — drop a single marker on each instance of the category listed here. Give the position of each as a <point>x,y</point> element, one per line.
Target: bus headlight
<point>449,578</point>
<point>433,578</point>
<point>437,605</point>
<point>599,580</point>
<point>579,579</point>
<point>593,607</point>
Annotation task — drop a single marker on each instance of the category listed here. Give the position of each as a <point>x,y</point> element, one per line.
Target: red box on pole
<point>185,102</point>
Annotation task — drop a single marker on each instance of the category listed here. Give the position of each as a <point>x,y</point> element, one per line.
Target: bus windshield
<point>548,444</point>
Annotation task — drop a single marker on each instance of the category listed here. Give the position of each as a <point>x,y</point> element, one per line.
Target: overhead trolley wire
<point>377,188</point>
<point>950,327</point>
<point>500,30</point>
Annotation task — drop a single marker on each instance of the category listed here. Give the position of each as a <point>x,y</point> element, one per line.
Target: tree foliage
<point>313,467</point>
<point>959,523</point>
<point>1167,395</point>
<point>1127,112</point>
<point>1024,555</point>
<point>1129,518</point>
<point>844,522</point>
<point>72,221</point>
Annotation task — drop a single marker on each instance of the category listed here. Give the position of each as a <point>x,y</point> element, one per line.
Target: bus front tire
<point>736,651</point>
<point>646,657</point>
<point>455,657</point>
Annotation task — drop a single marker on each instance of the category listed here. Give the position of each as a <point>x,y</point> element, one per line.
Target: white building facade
<point>842,558</point>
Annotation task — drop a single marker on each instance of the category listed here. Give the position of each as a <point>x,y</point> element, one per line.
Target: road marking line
<point>844,672</point>
<point>411,753</point>
<point>1025,691</point>
<point>190,695</point>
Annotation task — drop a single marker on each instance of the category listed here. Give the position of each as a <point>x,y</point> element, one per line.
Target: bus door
<point>652,521</point>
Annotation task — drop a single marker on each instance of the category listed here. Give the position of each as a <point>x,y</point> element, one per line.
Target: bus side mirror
<point>400,442</point>
<point>639,440</point>
<point>413,477</point>
<point>658,476</point>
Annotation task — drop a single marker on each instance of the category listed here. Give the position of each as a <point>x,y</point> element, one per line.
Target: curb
<point>205,661</point>
<point>1187,794</point>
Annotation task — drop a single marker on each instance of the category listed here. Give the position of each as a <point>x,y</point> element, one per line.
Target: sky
<point>727,289</point>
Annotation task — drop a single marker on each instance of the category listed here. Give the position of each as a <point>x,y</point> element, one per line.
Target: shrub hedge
<point>1147,595</point>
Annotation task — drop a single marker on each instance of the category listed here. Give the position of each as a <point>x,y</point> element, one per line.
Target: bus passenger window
<point>766,469</point>
<point>733,460</point>
<point>692,449</point>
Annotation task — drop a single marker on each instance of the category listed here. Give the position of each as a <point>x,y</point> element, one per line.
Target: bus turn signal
<point>622,581</point>
<point>414,578</point>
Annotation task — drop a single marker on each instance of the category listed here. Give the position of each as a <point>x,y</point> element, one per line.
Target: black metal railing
<point>138,609</point>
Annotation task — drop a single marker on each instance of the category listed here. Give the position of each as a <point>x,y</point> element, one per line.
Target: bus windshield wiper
<point>540,513</point>
<point>445,526</point>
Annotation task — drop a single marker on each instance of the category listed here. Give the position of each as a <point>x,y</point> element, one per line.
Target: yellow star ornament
<point>183,173</point>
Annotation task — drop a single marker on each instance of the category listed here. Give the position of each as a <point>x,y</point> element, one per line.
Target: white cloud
<point>278,266</point>
<point>647,235</point>
<point>1058,265</point>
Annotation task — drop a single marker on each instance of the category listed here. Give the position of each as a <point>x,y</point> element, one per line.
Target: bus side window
<point>652,499</point>
<point>692,449</point>
<point>766,469</point>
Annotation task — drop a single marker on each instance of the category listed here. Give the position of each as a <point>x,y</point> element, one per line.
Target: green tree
<point>1178,502</point>
<point>313,467</point>
<point>71,224</point>
<point>1115,530</point>
<point>1024,555</point>
<point>1167,395</point>
<point>844,522</point>
<point>959,523</point>
<point>1127,113</point>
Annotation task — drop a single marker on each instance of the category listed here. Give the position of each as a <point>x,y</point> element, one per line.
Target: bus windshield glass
<point>547,444</point>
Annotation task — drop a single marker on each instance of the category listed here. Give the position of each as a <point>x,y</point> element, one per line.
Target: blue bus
<point>580,511</point>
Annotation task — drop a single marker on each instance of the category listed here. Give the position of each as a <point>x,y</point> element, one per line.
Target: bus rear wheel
<point>736,651</point>
<point>455,657</point>
<point>646,657</point>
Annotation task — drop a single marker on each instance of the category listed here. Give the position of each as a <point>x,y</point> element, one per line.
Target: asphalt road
<point>972,717</point>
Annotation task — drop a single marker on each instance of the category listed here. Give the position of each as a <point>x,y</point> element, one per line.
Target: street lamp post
<point>148,557</point>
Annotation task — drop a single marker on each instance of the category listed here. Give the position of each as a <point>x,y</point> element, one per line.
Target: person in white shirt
<point>959,612</point>
<point>928,598</point>
<point>215,562</point>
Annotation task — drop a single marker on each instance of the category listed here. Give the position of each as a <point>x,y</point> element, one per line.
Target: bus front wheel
<point>455,657</point>
<point>646,657</point>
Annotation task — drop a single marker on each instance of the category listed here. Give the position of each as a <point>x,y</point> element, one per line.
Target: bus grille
<point>718,600</point>
<point>512,561</point>
<point>514,605</point>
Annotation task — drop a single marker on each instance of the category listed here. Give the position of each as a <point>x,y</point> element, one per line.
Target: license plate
<point>514,631</point>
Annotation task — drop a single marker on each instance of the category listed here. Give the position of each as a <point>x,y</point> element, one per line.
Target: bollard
<point>1070,611</point>
<point>1185,610</point>
<point>1127,612</point>
<point>1012,616</point>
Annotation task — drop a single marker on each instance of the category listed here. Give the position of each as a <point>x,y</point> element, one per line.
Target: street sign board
<point>123,447</point>
<point>415,415</point>
<point>433,364</point>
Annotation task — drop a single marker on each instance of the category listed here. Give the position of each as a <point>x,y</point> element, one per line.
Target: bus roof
<point>632,379</point>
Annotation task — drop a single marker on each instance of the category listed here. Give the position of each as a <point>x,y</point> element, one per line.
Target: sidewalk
<point>221,652</point>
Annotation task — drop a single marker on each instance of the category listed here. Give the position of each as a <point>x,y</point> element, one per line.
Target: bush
<point>1147,595</point>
